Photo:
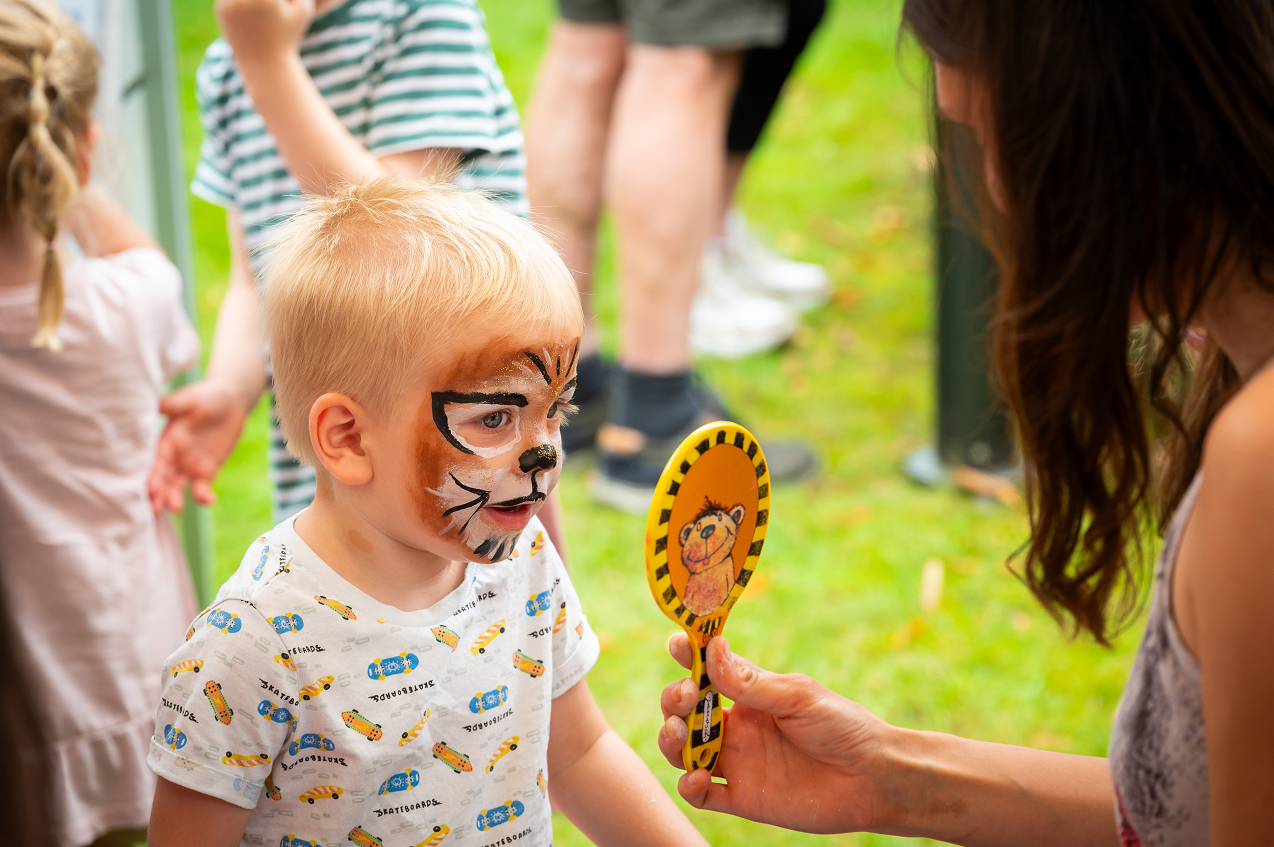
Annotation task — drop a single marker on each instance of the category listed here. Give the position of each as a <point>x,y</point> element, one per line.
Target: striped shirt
<point>401,75</point>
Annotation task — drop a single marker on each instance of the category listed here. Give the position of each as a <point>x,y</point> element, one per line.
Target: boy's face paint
<point>489,446</point>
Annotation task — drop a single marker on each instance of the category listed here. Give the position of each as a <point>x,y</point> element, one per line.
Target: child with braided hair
<point>91,329</point>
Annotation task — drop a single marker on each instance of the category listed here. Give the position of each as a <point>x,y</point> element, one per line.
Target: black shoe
<point>630,464</point>
<point>580,433</point>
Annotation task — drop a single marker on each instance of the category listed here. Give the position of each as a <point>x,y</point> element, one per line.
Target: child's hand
<point>261,30</point>
<point>795,755</point>
<point>204,422</point>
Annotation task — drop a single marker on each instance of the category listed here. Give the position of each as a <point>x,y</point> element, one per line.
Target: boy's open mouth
<point>513,515</point>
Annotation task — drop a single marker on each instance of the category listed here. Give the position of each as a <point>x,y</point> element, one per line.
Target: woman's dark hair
<point>1134,148</point>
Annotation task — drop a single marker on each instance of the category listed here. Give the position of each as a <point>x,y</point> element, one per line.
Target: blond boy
<point>386,667</point>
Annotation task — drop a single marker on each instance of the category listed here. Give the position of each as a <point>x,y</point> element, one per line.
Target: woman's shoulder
<point>1240,441</point>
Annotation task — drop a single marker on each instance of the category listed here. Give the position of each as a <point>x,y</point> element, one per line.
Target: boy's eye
<point>495,420</point>
<point>563,409</point>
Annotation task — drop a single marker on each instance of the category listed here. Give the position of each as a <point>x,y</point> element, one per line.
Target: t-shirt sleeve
<point>216,95</point>
<point>174,338</point>
<point>575,646</point>
<point>227,708</point>
<point>438,85</point>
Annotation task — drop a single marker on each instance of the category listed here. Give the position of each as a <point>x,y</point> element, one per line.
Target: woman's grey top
<point>1158,752</point>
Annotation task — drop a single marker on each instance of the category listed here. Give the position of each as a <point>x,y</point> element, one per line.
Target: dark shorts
<point>714,24</point>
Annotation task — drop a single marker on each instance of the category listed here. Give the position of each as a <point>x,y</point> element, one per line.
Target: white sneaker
<point>802,285</point>
<point>729,321</point>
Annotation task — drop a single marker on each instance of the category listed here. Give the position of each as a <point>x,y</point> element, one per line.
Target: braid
<point>48,81</point>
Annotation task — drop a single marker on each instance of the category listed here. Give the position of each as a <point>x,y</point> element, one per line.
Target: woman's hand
<point>795,755</point>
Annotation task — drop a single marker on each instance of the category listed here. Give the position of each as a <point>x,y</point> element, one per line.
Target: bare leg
<point>567,128</point>
<point>734,165</point>
<point>664,175</point>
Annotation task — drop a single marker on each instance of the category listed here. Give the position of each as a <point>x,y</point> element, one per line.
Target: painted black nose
<point>707,531</point>
<point>540,458</point>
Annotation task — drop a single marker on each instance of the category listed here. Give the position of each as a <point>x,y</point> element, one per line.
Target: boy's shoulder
<point>264,569</point>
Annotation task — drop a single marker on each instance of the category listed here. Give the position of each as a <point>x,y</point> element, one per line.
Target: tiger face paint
<point>489,446</point>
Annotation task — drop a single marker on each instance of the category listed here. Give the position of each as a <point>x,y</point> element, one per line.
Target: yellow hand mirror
<point>704,535</point>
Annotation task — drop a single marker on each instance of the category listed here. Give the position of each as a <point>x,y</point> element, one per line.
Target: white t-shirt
<point>97,585</point>
<point>375,725</point>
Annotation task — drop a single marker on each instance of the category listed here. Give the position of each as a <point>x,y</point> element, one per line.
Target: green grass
<point>839,180</point>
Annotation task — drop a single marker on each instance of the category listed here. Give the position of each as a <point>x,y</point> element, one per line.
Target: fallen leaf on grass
<point>847,298</point>
<point>986,485</point>
<point>931,579</point>
<point>833,232</point>
<point>908,632</point>
<point>889,221</point>
<point>855,515</point>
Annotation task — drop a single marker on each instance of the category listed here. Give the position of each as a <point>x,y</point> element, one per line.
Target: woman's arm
<point>800,756</point>
<point>606,790</point>
<point>1223,601</point>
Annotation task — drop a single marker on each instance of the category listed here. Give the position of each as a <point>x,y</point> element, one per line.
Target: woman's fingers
<point>695,787</point>
<point>672,737</point>
<point>743,682</point>
<point>677,702</point>
<point>679,647</point>
<point>679,698</point>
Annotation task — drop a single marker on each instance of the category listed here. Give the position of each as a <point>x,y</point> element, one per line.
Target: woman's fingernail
<point>676,729</point>
<point>689,689</point>
<point>725,649</point>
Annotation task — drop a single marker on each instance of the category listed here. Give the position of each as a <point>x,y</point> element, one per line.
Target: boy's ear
<point>337,426</point>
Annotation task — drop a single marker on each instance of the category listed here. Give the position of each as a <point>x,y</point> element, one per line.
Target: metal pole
<point>172,229</point>
<point>972,427</point>
<point>973,430</point>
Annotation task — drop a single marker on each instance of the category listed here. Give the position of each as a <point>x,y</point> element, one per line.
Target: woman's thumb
<point>749,685</point>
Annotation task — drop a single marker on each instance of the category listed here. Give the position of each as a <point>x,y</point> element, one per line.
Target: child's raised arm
<point>602,786</point>
<point>206,417</point>
<point>101,227</point>
<point>265,36</point>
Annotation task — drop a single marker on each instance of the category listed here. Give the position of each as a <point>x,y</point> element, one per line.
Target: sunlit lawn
<point>841,180</point>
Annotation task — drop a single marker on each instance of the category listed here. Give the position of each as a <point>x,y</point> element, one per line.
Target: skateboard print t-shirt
<point>340,719</point>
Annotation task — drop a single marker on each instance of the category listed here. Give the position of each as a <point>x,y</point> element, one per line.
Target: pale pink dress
<point>98,587</point>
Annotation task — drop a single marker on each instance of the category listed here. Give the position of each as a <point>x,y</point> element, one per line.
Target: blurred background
<point>895,595</point>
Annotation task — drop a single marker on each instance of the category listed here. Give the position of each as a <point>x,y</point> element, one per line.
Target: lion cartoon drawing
<point>707,547</point>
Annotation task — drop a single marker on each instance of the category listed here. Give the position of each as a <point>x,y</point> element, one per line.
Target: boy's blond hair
<point>367,286</point>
